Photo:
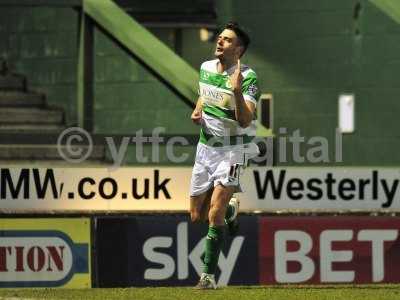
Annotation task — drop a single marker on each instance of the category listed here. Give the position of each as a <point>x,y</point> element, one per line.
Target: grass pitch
<point>359,292</point>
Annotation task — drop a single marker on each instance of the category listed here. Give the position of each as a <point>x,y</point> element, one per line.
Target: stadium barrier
<point>166,250</point>
<point>45,252</point>
<point>154,189</point>
<point>301,225</point>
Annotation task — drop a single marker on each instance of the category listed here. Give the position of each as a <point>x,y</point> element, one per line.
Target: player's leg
<point>231,211</point>
<point>200,187</point>
<point>215,236</point>
<point>219,201</point>
<point>239,161</point>
<point>206,206</point>
<point>199,206</point>
<point>231,216</point>
<point>233,206</point>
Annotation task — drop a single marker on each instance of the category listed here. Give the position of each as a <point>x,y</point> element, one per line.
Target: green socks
<point>214,241</point>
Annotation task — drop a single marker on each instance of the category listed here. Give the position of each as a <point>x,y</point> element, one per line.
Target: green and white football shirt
<point>218,119</point>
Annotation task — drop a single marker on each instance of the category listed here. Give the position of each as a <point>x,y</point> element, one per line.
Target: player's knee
<point>216,215</point>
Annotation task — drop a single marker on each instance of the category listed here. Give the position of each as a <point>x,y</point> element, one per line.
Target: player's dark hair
<point>243,37</point>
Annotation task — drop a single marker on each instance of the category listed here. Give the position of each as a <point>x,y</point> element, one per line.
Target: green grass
<point>347,292</point>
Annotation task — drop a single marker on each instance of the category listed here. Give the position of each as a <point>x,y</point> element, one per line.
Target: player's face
<point>228,46</point>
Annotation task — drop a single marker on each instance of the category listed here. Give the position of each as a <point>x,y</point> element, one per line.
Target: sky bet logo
<point>39,258</point>
<point>154,251</point>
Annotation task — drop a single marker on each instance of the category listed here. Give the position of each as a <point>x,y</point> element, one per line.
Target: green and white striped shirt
<point>219,125</point>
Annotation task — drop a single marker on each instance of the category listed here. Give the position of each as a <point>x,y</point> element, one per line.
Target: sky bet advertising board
<point>167,250</point>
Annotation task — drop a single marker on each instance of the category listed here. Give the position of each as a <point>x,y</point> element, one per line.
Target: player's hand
<point>237,79</point>
<point>196,117</point>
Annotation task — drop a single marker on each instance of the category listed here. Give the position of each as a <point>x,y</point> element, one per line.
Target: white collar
<point>229,71</point>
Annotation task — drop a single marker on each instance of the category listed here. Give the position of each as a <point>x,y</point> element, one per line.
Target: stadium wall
<point>305,53</point>
<point>41,43</point>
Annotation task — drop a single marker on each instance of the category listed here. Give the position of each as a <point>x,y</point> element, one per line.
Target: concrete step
<point>32,128</point>
<point>20,99</point>
<point>12,82</point>
<point>44,152</point>
<point>22,115</point>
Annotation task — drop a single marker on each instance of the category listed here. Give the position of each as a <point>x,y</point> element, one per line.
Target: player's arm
<point>196,114</point>
<point>244,109</point>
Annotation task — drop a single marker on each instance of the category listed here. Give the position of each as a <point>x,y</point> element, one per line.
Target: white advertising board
<point>167,189</point>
